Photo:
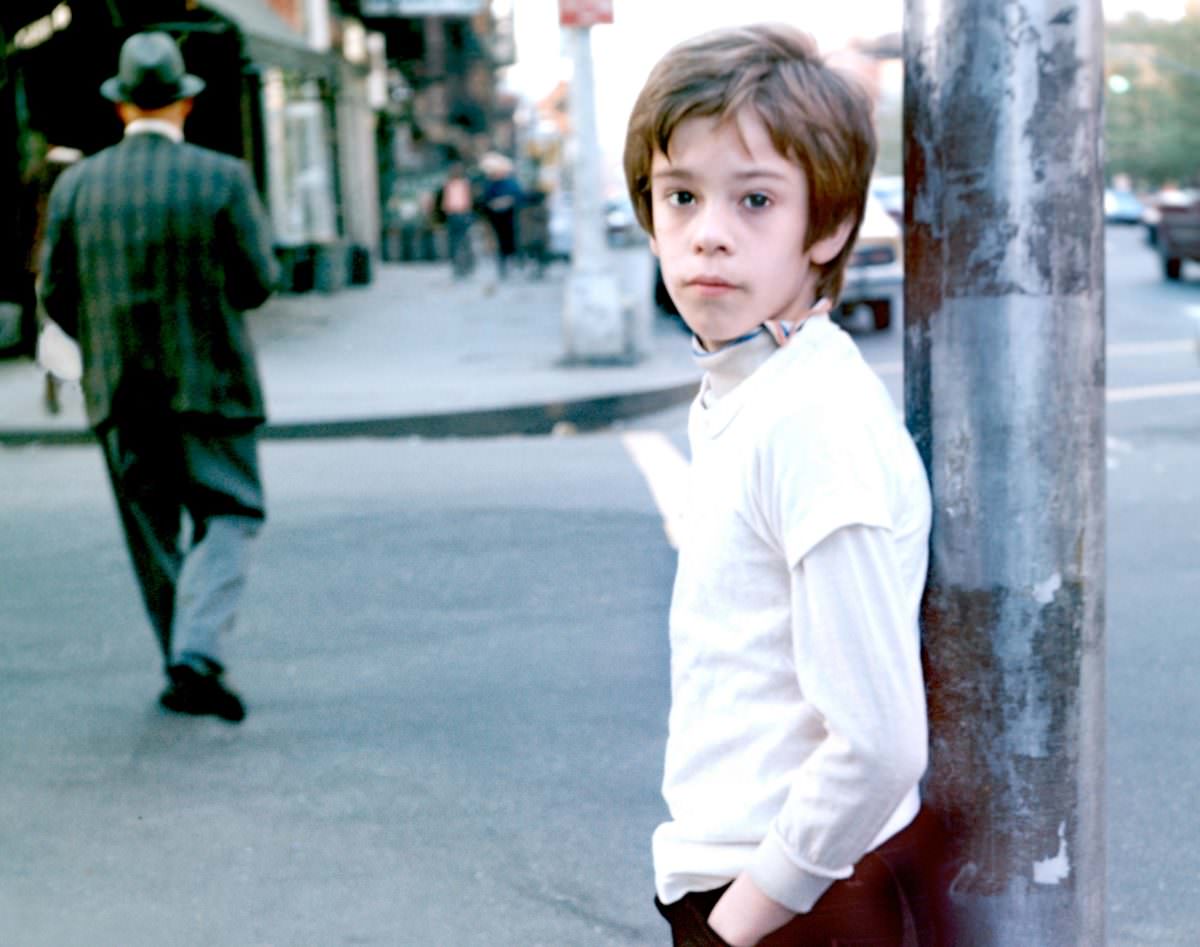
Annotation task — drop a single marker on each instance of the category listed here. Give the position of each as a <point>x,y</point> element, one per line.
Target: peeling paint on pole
<point>1004,355</point>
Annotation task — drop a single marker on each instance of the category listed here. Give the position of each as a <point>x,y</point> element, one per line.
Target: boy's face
<point>730,214</point>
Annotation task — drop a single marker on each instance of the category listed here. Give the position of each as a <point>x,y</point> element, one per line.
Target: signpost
<point>584,13</point>
<point>596,327</point>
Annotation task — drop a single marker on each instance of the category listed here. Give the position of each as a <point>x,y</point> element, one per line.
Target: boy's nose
<point>711,233</point>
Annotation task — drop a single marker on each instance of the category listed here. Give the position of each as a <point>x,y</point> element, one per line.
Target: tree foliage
<point>1152,129</point>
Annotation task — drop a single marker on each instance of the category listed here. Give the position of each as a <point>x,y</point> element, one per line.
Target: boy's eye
<point>680,198</point>
<point>756,200</point>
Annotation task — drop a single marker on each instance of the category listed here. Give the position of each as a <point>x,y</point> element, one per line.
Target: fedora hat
<point>150,73</point>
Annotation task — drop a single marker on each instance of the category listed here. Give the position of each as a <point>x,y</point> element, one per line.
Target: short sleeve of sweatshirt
<point>818,472</point>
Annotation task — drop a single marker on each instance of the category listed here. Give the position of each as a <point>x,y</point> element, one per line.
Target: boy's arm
<point>858,664</point>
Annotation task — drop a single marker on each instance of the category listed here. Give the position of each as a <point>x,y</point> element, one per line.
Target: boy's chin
<point>708,343</point>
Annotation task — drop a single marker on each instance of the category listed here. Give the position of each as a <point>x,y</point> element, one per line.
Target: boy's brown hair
<point>815,115</point>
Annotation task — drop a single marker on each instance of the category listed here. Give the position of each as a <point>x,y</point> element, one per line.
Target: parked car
<point>620,223</point>
<point>1152,208</point>
<point>1122,207</point>
<point>621,228</point>
<point>875,273</point>
<point>889,191</point>
<point>1178,234</point>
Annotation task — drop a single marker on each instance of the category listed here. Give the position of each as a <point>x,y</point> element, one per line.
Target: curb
<point>583,414</point>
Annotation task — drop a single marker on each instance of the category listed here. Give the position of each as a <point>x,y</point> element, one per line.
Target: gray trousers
<point>188,492</point>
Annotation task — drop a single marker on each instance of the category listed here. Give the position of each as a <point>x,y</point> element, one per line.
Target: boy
<point>797,727</point>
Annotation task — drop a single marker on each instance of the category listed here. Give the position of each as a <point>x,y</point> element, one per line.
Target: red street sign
<point>584,12</point>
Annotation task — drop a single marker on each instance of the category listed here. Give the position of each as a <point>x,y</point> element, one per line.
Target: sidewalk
<point>417,354</point>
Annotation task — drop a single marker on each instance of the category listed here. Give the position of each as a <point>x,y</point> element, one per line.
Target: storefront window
<point>299,171</point>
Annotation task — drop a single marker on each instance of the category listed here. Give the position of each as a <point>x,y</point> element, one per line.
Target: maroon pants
<point>889,901</point>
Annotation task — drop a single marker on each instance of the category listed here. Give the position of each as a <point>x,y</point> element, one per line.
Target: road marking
<point>1115,350</point>
<point>1161,347</point>
<point>1146,392</point>
<point>666,472</point>
<point>1120,350</point>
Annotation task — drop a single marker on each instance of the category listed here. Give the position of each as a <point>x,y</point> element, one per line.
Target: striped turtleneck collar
<point>736,361</point>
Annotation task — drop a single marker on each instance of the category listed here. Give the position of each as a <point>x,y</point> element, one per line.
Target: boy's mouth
<point>710,284</point>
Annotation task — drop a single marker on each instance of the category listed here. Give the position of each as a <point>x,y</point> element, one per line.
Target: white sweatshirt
<point>797,729</point>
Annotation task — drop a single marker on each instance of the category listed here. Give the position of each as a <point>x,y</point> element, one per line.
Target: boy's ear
<point>831,244</point>
<point>653,245</point>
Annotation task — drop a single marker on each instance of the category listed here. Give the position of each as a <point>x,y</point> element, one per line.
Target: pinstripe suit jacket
<point>153,250</point>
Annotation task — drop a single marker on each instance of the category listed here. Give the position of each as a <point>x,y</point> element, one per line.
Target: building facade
<point>287,90</point>
<point>443,105</point>
<point>348,111</point>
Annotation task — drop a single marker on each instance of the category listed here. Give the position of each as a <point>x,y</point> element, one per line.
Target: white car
<point>875,271</point>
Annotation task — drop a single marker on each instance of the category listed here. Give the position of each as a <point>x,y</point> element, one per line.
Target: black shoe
<point>200,694</point>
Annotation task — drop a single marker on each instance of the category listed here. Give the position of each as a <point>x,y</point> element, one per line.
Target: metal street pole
<point>1004,385</point>
<point>595,326</point>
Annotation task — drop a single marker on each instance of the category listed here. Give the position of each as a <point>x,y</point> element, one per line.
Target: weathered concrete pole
<point>595,325</point>
<point>1004,354</point>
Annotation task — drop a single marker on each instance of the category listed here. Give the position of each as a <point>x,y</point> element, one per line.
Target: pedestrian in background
<point>153,249</point>
<point>501,199</point>
<point>44,171</point>
<point>797,733</point>
<point>456,201</point>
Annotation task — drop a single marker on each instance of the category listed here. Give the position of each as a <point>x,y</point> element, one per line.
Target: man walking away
<point>153,250</point>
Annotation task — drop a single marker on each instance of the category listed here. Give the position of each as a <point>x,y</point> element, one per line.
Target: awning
<point>270,41</point>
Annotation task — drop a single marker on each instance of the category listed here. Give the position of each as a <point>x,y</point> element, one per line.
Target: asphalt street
<point>456,671</point>
<point>455,661</point>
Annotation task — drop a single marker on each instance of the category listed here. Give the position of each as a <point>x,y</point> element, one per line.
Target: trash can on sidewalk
<point>329,266</point>
<point>296,268</point>
<point>360,265</point>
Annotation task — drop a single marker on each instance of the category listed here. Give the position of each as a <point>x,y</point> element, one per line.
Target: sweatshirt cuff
<point>775,871</point>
